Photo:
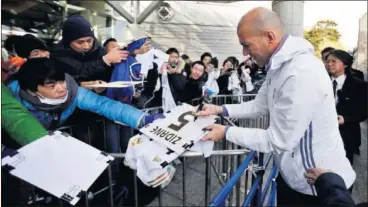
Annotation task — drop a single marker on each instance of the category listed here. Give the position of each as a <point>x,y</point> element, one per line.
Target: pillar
<point>291,14</point>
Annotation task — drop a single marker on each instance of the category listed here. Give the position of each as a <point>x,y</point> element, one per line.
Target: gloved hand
<point>150,118</point>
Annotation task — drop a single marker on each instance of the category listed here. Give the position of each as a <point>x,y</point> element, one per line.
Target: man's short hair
<point>206,54</point>
<point>327,49</point>
<point>199,63</point>
<point>185,57</point>
<point>172,50</point>
<point>111,39</point>
<point>38,71</point>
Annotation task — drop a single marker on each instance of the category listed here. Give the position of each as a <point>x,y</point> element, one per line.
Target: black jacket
<point>193,89</point>
<point>357,74</point>
<point>331,190</point>
<point>223,82</point>
<point>82,67</point>
<point>352,105</point>
<point>177,86</point>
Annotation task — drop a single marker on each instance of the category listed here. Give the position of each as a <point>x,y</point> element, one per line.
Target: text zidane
<point>166,135</point>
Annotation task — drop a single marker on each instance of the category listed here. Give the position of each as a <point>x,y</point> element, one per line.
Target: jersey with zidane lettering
<point>179,130</point>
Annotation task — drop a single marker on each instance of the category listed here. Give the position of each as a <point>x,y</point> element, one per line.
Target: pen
<point>199,108</point>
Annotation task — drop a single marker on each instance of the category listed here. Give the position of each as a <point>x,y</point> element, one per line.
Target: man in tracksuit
<point>297,94</point>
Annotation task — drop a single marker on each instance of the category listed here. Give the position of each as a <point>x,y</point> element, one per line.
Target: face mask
<point>51,101</point>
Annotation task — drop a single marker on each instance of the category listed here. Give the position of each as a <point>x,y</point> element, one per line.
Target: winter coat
<point>82,66</point>
<point>19,124</point>
<point>332,191</point>
<point>128,70</point>
<point>193,89</point>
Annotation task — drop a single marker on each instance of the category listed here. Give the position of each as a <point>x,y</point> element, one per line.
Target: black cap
<point>76,27</point>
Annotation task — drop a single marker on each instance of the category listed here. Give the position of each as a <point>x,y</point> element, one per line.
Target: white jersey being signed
<point>151,154</point>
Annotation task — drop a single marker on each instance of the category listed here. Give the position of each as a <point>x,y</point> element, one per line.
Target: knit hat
<point>76,27</point>
<point>28,43</point>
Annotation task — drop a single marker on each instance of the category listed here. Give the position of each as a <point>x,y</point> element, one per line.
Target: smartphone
<point>173,64</point>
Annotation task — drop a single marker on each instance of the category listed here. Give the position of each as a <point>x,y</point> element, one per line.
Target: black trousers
<point>286,196</point>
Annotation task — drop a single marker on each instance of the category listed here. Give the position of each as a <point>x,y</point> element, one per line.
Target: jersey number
<point>182,121</point>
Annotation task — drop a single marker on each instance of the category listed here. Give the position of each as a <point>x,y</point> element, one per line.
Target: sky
<point>345,13</point>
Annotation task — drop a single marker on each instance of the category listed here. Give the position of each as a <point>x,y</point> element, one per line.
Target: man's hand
<point>340,119</point>
<point>144,48</point>
<point>137,93</point>
<point>209,68</point>
<point>216,132</point>
<point>209,109</point>
<point>87,85</point>
<point>313,173</point>
<point>116,56</point>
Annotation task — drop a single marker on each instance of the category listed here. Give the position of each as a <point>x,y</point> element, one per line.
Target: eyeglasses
<point>332,62</point>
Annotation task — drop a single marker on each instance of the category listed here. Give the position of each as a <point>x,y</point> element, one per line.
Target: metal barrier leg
<point>86,198</point>
<point>260,172</point>
<point>135,189</point>
<point>232,165</point>
<point>207,190</point>
<point>89,135</point>
<point>160,198</point>
<point>111,190</point>
<point>184,181</point>
<point>238,162</point>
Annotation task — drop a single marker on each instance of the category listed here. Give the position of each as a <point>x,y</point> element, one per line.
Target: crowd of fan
<point>55,83</point>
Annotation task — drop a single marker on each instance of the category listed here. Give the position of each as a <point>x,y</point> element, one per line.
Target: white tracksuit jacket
<point>303,131</point>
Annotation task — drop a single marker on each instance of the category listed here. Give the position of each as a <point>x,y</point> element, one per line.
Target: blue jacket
<point>86,100</point>
<point>128,70</point>
<point>331,190</point>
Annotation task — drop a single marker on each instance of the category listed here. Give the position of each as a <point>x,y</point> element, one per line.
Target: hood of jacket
<point>287,50</point>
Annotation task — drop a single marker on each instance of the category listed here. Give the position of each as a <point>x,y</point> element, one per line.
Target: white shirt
<point>340,82</point>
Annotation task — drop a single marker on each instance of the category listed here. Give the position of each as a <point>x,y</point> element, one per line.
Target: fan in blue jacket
<point>52,96</point>
<point>128,70</point>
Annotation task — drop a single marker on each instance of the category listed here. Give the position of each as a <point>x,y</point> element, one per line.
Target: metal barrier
<point>226,161</point>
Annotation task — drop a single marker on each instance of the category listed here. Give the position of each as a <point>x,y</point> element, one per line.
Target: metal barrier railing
<point>225,161</point>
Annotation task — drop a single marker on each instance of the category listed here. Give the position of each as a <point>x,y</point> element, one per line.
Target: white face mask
<point>52,101</point>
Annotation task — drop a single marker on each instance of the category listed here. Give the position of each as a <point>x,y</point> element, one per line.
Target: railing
<point>229,167</point>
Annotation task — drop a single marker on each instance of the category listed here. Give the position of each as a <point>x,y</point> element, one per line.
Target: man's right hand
<point>116,56</point>
<point>209,109</point>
